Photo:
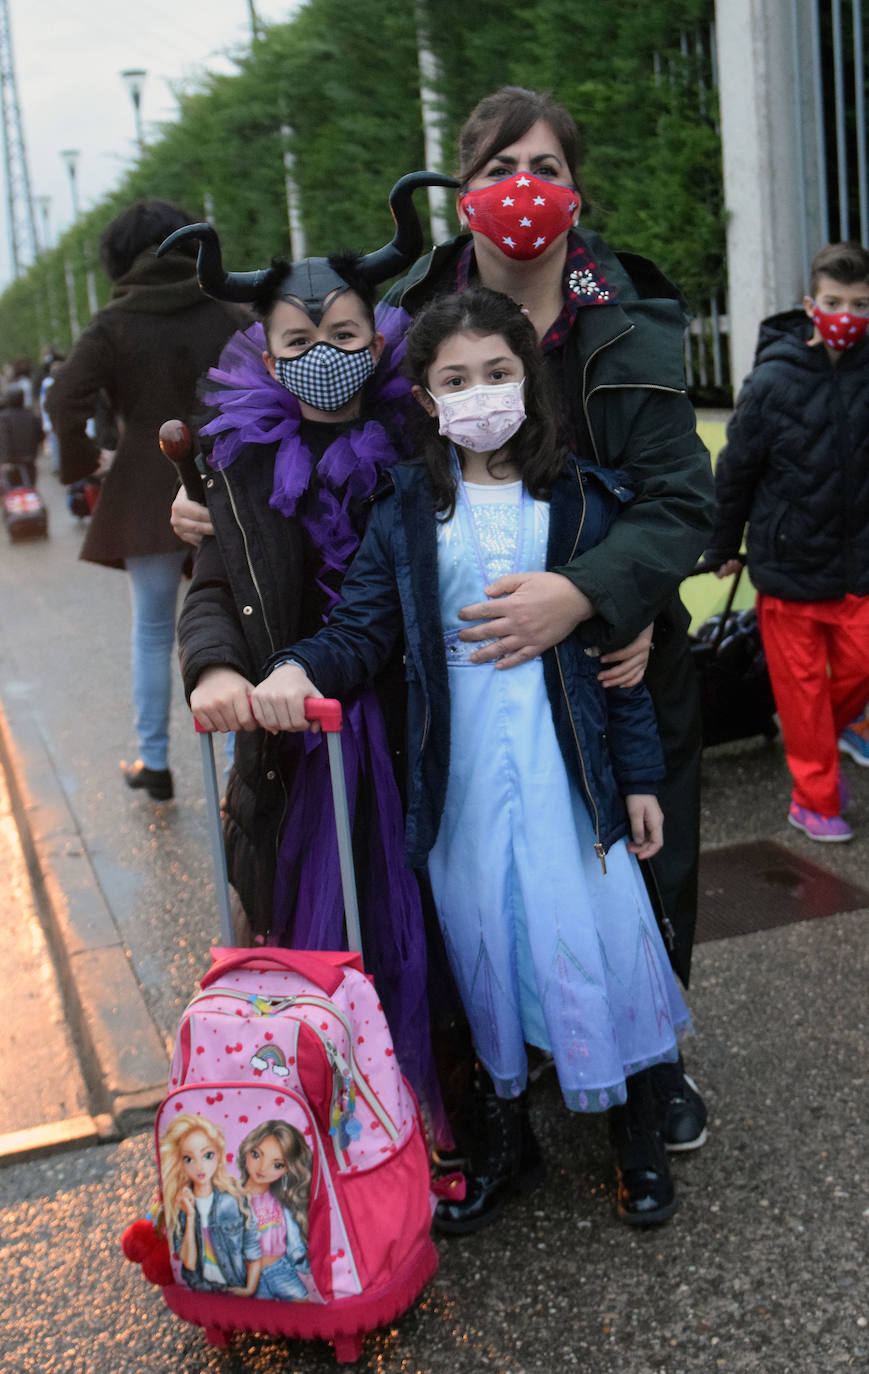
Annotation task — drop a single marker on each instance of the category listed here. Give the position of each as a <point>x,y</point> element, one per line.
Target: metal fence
<point>834,32</point>
<point>828,69</point>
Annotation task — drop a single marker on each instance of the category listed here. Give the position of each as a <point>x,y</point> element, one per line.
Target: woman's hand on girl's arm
<point>219,701</point>
<point>279,701</point>
<point>528,612</point>
<point>629,663</point>
<point>189,520</point>
<point>647,824</point>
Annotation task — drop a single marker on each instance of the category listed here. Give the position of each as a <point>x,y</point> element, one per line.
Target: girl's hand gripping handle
<point>281,701</point>
<point>176,442</point>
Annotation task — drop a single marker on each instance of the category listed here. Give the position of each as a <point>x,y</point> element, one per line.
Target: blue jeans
<point>280,1280</point>
<point>154,580</point>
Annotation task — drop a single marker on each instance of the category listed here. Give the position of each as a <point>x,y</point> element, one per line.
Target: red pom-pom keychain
<point>139,1240</point>
<point>144,1242</point>
<point>155,1266</point>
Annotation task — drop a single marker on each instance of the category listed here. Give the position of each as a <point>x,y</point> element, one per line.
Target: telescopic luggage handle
<point>328,712</point>
<point>176,442</point>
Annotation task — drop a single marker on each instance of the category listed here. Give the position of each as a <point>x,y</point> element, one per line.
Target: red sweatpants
<point>817,654</point>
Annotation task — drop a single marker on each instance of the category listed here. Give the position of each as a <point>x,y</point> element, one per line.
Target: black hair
<point>144,224</point>
<point>347,266</point>
<point>536,449</point>
<point>507,115</point>
<point>846,263</point>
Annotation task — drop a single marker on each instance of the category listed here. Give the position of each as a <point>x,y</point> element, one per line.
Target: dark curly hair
<point>537,448</point>
<point>144,224</point>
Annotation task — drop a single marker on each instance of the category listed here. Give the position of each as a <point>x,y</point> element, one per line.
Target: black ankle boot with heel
<point>504,1161</point>
<point>646,1195</point>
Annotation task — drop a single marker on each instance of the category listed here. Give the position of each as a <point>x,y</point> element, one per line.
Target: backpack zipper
<point>336,1059</point>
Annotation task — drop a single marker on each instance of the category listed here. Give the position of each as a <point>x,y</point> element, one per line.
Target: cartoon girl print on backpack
<point>275,1166</point>
<point>209,1221</point>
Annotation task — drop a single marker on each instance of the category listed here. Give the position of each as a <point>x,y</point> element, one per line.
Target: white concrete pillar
<point>769,149</point>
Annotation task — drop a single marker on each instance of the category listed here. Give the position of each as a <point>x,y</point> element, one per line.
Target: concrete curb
<point>123,1056</point>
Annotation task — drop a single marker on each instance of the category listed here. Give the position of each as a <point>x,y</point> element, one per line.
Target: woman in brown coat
<point>144,351</point>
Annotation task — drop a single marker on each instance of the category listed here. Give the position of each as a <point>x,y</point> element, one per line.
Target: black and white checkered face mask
<point>326,377</point>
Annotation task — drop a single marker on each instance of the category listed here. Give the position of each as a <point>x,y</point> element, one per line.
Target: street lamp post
<point>43,205</point>
<point>70,157</point>
<point>134,79</point>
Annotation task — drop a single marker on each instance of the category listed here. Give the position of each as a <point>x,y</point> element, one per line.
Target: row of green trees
<point>345,79</point>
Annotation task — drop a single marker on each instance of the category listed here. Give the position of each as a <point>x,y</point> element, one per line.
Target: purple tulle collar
<point>255,409</point>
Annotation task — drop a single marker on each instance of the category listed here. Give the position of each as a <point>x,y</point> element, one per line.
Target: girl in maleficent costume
<point>308,413</point>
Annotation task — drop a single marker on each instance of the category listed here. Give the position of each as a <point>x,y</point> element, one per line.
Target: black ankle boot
<point>506,1161</point>
<point>646,1195</point>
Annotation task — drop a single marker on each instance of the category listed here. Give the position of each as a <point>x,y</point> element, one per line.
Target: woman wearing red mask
<point>611,328</point>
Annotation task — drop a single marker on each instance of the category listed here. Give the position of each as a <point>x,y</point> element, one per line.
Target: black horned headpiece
<point>311,282</point>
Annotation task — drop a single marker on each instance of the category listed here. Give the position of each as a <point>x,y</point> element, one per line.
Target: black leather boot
<point>645,1195</point>
<point>504,1162</point>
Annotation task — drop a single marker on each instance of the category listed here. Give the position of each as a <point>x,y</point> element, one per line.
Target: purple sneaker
<point>827,829</point>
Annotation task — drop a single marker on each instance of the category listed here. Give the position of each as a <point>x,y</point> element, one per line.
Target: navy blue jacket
<point>796,468</point>
<point>608,739</point>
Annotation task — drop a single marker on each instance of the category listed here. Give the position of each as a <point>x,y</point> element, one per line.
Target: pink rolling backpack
<point>288,1135</point>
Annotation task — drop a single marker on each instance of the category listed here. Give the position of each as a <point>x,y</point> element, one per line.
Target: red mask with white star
<point>842,330</point>
<point>522,214</point>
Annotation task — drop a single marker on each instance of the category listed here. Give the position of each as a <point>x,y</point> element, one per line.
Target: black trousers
<point>672,875</point>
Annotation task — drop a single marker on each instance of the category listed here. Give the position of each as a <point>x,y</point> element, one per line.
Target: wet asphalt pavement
<point>763,1269</point>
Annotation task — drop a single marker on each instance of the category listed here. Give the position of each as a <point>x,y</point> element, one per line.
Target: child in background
<point>309,414</point>
<point>796,469</point>
<point>529,791</point>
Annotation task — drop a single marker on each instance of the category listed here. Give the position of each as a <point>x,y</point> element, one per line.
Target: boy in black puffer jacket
<point>796,468</point>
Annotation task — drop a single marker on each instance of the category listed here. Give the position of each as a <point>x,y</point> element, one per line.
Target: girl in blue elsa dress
<point>531,792</point>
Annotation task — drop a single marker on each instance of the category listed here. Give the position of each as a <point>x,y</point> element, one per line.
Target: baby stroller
<point>24,511</point>
<point>736,698</point>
